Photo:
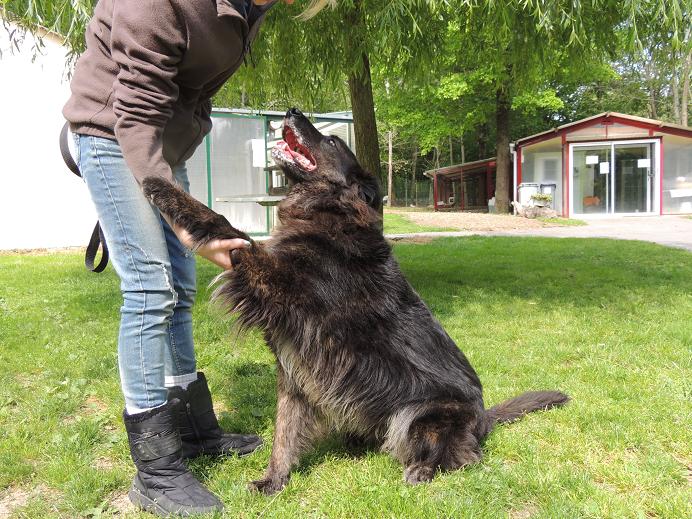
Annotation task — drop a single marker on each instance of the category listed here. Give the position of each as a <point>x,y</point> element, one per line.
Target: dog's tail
<point>516,407</point>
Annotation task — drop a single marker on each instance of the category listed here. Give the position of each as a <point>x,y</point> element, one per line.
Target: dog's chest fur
<point>318,381</point>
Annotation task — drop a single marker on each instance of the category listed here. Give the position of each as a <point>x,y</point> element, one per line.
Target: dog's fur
<point>357,350</point>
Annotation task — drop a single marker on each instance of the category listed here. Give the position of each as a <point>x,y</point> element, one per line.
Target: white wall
<point>42,204</point>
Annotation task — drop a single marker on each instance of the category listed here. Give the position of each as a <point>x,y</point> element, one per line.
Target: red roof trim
<point>603,118</point>
<point>478,165</point>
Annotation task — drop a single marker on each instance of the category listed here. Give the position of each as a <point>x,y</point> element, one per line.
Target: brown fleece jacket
<point>149,72</point>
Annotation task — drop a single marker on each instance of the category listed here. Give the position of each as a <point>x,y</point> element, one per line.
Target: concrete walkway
<point>672,231</point>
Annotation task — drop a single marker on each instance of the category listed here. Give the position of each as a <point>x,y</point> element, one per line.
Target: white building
<point>42,204</point>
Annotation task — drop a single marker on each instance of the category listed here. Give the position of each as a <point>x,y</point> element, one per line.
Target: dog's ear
<point>369,190</point>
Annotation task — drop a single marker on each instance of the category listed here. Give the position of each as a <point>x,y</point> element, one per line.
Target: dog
<point>357,349</point>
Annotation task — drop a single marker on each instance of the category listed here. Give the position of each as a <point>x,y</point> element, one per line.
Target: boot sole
<point>150,505</point>
<point>147,504</point>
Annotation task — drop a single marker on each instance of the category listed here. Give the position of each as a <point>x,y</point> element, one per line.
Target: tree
<point>334,52</point>
<point>67,18</point>
<point>519,46</point>
<point>484,60</point>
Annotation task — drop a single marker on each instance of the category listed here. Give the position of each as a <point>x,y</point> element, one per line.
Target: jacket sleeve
<point>148,40</point>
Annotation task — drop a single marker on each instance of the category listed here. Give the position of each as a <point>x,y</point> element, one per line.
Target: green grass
<point>399,224</point>
<point>564,222</point>
<point>606,321</point>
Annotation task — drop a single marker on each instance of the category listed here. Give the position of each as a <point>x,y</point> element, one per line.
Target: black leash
<point>97,239</point>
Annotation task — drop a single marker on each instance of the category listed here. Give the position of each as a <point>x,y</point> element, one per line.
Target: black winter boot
<point>199,428</point>
<point>163,484</point>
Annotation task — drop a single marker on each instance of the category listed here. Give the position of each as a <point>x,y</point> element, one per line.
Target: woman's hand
<point>216,251</point>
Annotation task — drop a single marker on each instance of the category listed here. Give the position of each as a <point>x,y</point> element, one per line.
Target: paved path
<point>672,231</point>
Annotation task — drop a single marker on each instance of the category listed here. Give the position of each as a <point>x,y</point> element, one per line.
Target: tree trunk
<point>674,87</point>
<point>502,177</point>
<point>451,151</point>
<point>648,67</point>
<point>652,104</point>
<point>390,171</point>
<point>414,185</point>
<point>685,97</point>
<point>364,125</point>
<point>463,149</point>
<point>482,140</point>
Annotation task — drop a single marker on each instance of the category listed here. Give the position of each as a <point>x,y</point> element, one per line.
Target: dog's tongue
<point>300,159</point>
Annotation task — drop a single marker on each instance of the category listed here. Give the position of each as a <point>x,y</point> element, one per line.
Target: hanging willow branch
<point>64,18</point>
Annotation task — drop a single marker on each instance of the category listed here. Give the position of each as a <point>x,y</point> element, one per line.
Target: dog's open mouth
<point>291,150</point>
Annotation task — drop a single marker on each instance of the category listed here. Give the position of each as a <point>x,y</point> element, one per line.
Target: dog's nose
<point>294,112</point>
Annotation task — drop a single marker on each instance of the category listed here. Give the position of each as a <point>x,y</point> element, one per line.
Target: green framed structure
<point>235,163</point>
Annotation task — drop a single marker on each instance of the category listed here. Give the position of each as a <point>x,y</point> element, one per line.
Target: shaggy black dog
<point>356,348</point>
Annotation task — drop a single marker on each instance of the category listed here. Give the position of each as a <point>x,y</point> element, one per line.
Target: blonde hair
<point>315,7</point>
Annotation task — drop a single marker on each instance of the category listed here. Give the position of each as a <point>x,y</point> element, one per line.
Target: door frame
<point>656,165</point>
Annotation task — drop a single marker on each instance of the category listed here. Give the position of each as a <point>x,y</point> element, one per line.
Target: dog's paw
<point>236,257</point>
<point>154,187</point>
<point>163,194</point>
<point>415,474</point>
<point>268,486</point>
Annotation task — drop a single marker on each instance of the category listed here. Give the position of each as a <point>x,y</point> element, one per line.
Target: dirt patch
<point>219,407</point>
<point>24,380</point>
<point>13,497</point>
<point>103,463</point>
<point>120,504</point>
<point>470,221</point>
<point>40,252</point>
<point>18,497</point>
<point>413,239</point>
<point>93,405</point>
<point>523,513</point>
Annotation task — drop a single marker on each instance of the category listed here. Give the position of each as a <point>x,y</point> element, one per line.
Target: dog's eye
<point>332,142</point>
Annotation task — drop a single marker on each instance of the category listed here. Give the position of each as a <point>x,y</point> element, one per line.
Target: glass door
<point>591,179</point>
<point>634,177</point>
<point>613,178</point>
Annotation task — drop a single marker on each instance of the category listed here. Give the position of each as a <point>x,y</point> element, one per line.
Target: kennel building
<point>607,164</point>
<point>464,187</point>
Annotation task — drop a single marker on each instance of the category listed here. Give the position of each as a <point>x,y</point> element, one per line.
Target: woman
<point>140,105</point>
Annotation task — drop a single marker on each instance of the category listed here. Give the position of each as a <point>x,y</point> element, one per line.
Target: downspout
<point>660,177</point>
<point>513,151</point>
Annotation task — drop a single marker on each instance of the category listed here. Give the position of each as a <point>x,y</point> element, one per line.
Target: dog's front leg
<point>298,426</point>
<point>181,209</point>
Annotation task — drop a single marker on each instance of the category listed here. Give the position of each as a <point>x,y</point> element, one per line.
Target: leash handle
<point>65,150</point>
<point>97,239</point>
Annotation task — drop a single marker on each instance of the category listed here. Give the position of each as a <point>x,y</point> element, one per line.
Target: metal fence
<point>408,193</point>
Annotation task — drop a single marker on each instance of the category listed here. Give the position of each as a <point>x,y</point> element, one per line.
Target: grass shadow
<point>579,272</point>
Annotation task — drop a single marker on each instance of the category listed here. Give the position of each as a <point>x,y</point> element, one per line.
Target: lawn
<point>606,321</point>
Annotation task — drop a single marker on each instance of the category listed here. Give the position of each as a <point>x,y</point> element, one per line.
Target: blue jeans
<point>157,275</point>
